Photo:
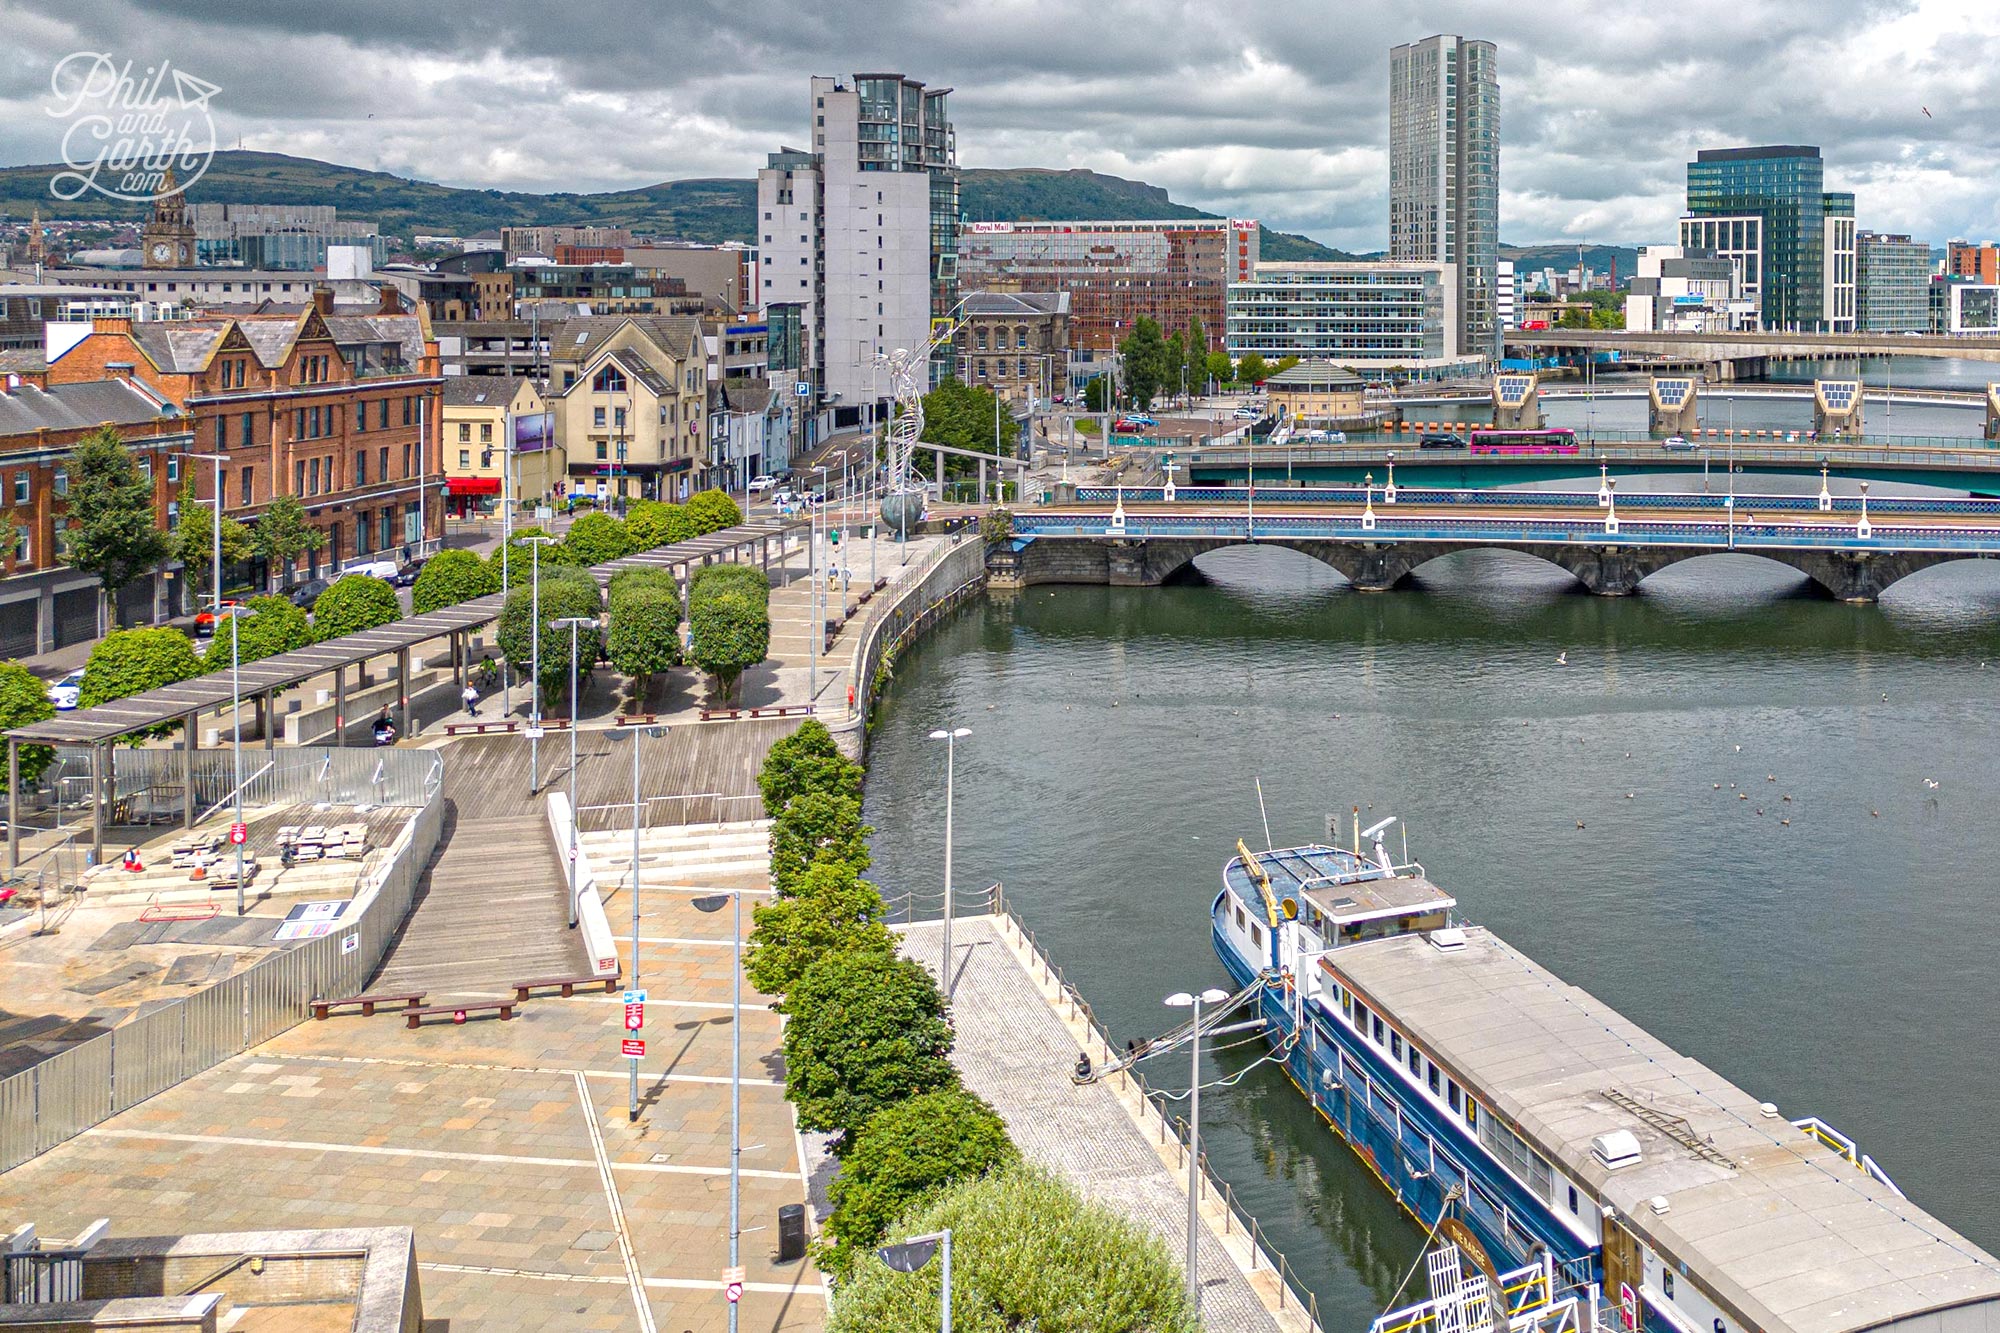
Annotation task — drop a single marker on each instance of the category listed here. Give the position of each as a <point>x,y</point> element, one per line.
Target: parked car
<point>762,483</point>
<point>1441,442</point>
<point>63,693</point>
<point>407,576</point>
<point>1130,425</point>
<point>305,593</point>
<point>1680,444</point>
<point>1245,414</point>
<point>204,622</point>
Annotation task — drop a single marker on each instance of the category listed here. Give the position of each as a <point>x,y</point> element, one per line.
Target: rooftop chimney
<point>323,300</point>
<point>111,324</point>
<point>392,300</point>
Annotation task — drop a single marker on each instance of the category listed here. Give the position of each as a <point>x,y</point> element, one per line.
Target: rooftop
<point>1316,375</point>
<point>1770,1222</point>
<point>27,409</point>
<point>1017,303</point>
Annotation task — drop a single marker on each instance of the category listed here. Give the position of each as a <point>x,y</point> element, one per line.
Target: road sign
<point>239,834</point>
<point>635,997</point>
<point>732,1284</point>
<point>733,1274</point>
<point>632,1048</point>
<point>635,1017</point>
<point>532,733</point>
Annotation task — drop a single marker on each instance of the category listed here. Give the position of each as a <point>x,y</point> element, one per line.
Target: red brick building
<point>335,405</point>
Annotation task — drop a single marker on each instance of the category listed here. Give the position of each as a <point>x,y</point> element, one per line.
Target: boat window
<point>1667,1282</point>
<point>1572,1199</point>
<point>1256,934</point>
<point>1378,1029</point>
<point>1360,1017</point>
<point>1434,1080</point>
<point>1416,1063</point>
<point>1395,1046</point>
<point>1451,1094</point>
<point>1472,1113</point>
<point>1241,920</point>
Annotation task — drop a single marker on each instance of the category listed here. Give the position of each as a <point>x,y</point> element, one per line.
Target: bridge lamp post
<point>1825,496</point>
<point>1611,511</point>
<point>1183,1000</point>
<point>1368,501</point>
<point>1604,482</point>
<point>1864,530</point>
<point>913,1254</point>
<point>1389,491</point>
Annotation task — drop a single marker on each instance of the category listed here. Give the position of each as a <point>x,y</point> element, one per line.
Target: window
<point>1416,1063</point>
<point>1378,1028</point>
<point>221,434</point>
<point>597,417</point>
<point>312,474</point>
<point>1433,1078</point>
<point>1451,1094</point>
<point>382,418</point>
<point>248,429</point>
<point>408,411</point>
<point>486,432</point>
<point>465,432</point>
<point>1360,1016</point>
<point>465,458</point>
<point>601,447</point>
<point>1240,920</point>
<point>246,486</point>
<point>1472,1113</point>
<point>62,484</point>
<point>1666,1282</point>
<point>300,487</point>
<point>1395,1045</point>
<point>1256,934</point>
<point>1572,1200</point>
<point>173,468</point>
<point>22,487</point>
<point>382,470</point>
<point>361,468</point>
<point>406,460</point>
<point>360,416</point>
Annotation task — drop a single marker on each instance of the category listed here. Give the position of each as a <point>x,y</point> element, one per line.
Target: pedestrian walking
<point>471,697</point>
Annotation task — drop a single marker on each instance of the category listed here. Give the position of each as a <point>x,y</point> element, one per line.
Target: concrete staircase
<point>681,853</point>
<point>326,879</point>
<point>792,624</point>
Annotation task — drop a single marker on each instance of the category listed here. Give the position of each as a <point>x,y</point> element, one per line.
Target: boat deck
<point>1763,1215</point>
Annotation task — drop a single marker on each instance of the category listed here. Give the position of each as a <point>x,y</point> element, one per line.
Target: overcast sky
<point>1272,111</point>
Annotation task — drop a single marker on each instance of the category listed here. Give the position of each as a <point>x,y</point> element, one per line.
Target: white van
<point>381,569</point>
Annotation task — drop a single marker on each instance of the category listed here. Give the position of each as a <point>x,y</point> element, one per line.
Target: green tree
<point>522,557</point>
<point>1027,1252</point>
<point>712,511</point>
<point>1144,354</point>
<point>654,523</point>
<point>743,580</point>
<point>113,532</point>
<point>131,661</point>
<point>598,538</point>
<point>1285,363</point>
<point>272,626</point>
<point>806,761</point>
<point>1095,390</point>
<point>962,416</point>
<point>193,542</point>
<point>24,699</point>
<point>831,909</point>
<point>996,526</point>
<point>451,577</point>
<point>1174,364</point>
<point>1252,369</point>
<point>281,535</point>
<point>904,1153</point>
<point>1194,347</point>
<point>727,632</point>
<point>644,635</point>
<point>814,827</point>
<point>355,602</point>
<point>1219,368</point>
<point>566,592</point>
<point>862,1031</point>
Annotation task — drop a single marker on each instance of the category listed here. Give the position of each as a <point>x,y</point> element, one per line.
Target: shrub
<point>522,557</point>
<point>712,511</point>
<point>863,1030</point>
<point>715,580</point>
<point>905,1152</point>
<point>829,910</point>
<point>598,538</point>
<point>355,602</point>
<point>996,526</point>
<point>25,699</point>
<point>273,626</point>
<point>565,593</point>
<point>1027,1252</point>
<point>641,576</point>
<point>815,827</point>
<point>807,760</point>
<point>654,523</point>
<point>645,631</point>
<point>727,632</point>
<point>451,577</point>
<point>131,661</point>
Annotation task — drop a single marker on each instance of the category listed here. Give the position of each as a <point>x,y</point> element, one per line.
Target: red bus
<point>1559,441</point>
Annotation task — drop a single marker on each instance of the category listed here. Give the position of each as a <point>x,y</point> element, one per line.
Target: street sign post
<point>635,1017</point>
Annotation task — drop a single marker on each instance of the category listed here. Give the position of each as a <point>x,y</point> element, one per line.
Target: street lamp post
<point>1183,1000</point>
<point>951,738</point>
<point>713,903</point>
<point>814,600</point>
<point>235,671</point>
<point>913,1254</point>
<point>574,624</point>
<point>535,663</point>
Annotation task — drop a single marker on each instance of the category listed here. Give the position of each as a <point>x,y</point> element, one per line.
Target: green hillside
<point>693,210</point>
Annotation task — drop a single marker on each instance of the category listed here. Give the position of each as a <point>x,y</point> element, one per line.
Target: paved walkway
<point>1016,1050</point>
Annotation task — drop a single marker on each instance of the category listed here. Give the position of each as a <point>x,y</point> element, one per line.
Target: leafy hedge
<point>712,511</point>
<point>273,626</point>
<point>655,523</point>
<point>816,827</point>
<point>597,538</point>
<point>355,602</point>
<point>126,662</point>
<point>566,592</point>
<point>25,699</point>
<point>451,577</point>
<point>806,760</point>
<point>645,631</point>
<point>863,1030</point>
<point>728,577</point>
<point>830,909</point>
<point>903,1153</point>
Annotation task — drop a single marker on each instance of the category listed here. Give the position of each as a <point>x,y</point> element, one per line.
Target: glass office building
<point>1894,284</point>
<point>1444,172</point>
<point>1803,270</point>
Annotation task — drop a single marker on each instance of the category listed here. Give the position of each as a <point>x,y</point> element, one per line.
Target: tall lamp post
<point>535,663</point>
<point>951,738</point>
<point>813,599</point>
<point>1183,1000</point>
<point>913,1254</point>
<point>713,903</point>
<point>574,624</point>
<point>619,736</point>
<point>235,669</point>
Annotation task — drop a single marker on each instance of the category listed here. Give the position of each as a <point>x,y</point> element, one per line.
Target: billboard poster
<point>534,431</point>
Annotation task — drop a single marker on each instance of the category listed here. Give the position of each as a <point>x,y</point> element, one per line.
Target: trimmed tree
<point>863,1031</point>
<point>712,580</point>
<point>451,577</point>
<point>831,909</point>
<point>25,699</point>
<point>113,532</point>
<point>567,593</point>
<point>816,827</point>
<point>645,631</point>
<point>596,538</point>
<point>281,535</point>
<point>712,511</point>
<point>522,558</point>
<point>902,1154</point>
<point>273,626</point>
<point>807,760</point>
<point>131,661</point>
<point>193,542</point>
<point>355,602</point>
<point>728,632</point>
<point>655,523</point>
<point>1027,1251</point>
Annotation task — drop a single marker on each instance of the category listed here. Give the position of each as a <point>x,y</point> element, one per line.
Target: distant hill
<point>692,210</point>
<point>1562,257</point>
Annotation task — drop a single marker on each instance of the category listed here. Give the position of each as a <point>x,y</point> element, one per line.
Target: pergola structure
<point>261,681</point>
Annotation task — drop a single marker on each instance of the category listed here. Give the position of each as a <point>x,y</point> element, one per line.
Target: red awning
<point>472,485</point>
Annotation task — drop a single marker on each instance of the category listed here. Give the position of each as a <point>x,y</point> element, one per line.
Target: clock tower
<point>167,239</point>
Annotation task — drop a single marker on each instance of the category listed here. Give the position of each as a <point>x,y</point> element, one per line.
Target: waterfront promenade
<point>1018,1035</point>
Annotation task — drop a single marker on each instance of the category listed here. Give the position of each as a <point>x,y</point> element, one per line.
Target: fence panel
<point>17,1119</point>
<point>74,1092</point>
<point>149,1055</point>
<point>214,1025</point>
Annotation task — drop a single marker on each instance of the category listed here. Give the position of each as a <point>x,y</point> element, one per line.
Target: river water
<point>1840,966</point>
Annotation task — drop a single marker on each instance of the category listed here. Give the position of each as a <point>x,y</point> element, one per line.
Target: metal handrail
<point>269,764</point>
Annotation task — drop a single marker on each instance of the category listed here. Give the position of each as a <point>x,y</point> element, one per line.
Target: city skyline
<point>1277,116</point>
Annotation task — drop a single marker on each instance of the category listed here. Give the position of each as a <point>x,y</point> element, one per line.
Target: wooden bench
<point>479,728</point>
<point>408,999</point>
<point>636,719</point>
<point>568,984</point>
<point>881,583</point>
<point>459,1011</point>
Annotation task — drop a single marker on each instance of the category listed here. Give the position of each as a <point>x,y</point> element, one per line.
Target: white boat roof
<point>1771,1223</point>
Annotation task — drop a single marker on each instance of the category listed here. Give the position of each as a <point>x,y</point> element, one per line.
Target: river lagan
<point>1840,965</point>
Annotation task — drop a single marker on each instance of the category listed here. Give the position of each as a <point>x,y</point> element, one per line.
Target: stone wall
<point>912,607</point>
